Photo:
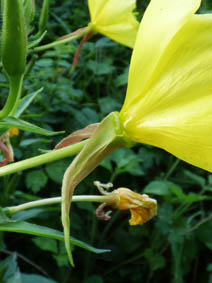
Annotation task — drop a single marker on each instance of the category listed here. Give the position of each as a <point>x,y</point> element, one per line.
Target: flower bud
<point>13,38</point>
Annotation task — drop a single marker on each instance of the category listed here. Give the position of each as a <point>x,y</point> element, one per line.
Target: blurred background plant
<point>173,247</point>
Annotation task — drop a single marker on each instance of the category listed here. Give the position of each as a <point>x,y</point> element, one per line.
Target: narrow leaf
<point>34,229</point>
<point>26,126</point>
<point>25,102</point>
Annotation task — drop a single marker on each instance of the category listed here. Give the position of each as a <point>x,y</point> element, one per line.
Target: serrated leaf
<point>42,231</point>
<point>9,122</point>
<point>35,180</point>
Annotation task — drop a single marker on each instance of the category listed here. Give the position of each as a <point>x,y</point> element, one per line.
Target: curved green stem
<point>42,159</point>
<point>14,95</point>
<point>73,36</point>
<point>50,201</point>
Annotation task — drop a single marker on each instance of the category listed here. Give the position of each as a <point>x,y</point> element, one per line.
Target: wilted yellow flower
<point>115,19</point>
<point>142,207</point>
<point>169,97</point>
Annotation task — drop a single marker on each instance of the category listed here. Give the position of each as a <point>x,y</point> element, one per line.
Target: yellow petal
<point>161,21</point>
<point>13,131</point>
<point>115,19</point>
<point>175,111</point>
<point>139,215</point>
<point>142,208</point>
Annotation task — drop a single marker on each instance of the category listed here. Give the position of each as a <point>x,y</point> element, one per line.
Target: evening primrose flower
<point>169,96</point>
<point>114,19</point>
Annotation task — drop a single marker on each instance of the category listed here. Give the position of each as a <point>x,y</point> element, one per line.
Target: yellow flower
<point>142,207</point>
<point>13,132</point>
<point>115,19</point>
<point>169,97</point>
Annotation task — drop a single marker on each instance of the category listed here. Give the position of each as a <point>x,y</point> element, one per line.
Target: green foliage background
<point>175,246</point>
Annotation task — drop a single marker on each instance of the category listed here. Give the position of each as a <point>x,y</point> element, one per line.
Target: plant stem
<point>173,167</point>
<point>73,36</point>
<point>50,201</point>
<point>14,95</point>
<point>42,159</point>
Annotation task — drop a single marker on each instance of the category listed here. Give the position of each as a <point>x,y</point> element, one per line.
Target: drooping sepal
<point>108,136</point>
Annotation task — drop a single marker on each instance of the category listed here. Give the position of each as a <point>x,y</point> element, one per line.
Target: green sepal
<point>29,12</point>
<point>107,137</point>
<point>44,16</point>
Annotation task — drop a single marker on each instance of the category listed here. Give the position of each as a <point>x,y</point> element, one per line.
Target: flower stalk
<point>65,39</point>
<point>42,159</point>
<point>49,201</point>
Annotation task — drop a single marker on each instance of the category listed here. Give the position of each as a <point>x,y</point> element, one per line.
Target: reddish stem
<point>85,38</point>
<point>5,151</point>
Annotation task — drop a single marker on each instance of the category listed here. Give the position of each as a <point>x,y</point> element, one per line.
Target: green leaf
<point>42,231</point>
<point>44,244</point>
<point>156,261</point>
<point>157,187</point>
<point>26,126</point>
<point>193,197</point>
<point>99,68</point>
<point>194,177</point>
<point>57,169</point>
<point>175,189</point>
<point>35,180</point>
<point>108,104</point>
<point>25,102</point>
<point>10,270</point>
<point>34,278</point>
<point>122,79</point>
<point>93,279</point>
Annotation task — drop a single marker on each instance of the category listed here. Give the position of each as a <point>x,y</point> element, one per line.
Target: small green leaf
<point>193,197</point>
<point>157,188</point>
<point>26,126</point>
<point>35,180</point>
<point>99,68</point>
<point>45,244</point>
<point>194,177</point>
